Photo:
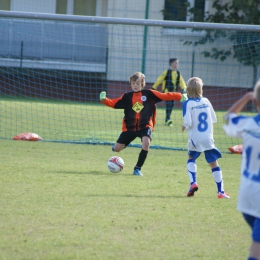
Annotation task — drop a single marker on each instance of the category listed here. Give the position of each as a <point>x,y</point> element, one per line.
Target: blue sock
<point>251,258</point>
<point>192,170</point>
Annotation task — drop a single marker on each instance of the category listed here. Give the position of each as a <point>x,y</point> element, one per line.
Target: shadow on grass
<point>92,173</point>
<point>137,196</point>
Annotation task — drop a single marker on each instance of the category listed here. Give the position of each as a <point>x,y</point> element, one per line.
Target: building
<point>119,50</point>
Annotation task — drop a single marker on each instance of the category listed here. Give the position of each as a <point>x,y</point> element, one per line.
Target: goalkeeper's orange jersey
<point>139,107</point>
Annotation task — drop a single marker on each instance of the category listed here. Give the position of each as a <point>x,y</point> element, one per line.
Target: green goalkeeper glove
<point>102,95</point>
<point>184,97</point>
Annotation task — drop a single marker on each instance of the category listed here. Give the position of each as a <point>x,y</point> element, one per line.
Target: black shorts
<point>129,136</point>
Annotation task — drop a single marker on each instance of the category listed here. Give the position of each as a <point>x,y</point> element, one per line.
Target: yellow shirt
<point>161,80</point>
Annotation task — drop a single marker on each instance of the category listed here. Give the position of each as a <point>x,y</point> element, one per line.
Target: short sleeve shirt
<point>198,119</point>
<point>247,128</point>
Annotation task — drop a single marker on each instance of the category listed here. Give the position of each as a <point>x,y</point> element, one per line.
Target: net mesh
<point>51,74</point>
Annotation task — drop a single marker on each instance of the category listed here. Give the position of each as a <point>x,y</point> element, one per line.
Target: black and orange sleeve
<point>167,96</point>
<point>112,102</point>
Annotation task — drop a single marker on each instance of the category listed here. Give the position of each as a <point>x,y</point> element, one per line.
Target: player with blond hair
<point>248,128</point>
<point>198,119</point>
<point>139,115</point>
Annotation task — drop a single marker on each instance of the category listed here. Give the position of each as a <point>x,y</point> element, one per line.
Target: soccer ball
<point>115,164</point>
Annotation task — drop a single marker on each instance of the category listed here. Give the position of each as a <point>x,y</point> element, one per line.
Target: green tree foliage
<point>245,45</point>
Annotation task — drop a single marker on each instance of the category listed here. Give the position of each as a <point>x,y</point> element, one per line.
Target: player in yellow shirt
<point>171,80</point>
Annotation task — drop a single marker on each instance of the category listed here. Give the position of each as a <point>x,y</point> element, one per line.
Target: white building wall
<point>126,49</point>
<point>126,42</point>
<point>37,6</point>
<point>126,9</point>
<point>125,45</point>
<point>161,47</point>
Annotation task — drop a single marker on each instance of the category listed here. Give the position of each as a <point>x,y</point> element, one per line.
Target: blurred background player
<point>199,117</point>
<point>171,80</point>
<point>140,115</point>
<point>248,128</point>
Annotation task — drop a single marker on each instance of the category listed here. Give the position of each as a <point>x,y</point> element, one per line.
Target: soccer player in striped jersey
<point>248,128</point>
<point>139,115</point>
<point>171,80</point>
<point>199,117</point>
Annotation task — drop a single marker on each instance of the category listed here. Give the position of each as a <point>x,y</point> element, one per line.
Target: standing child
<point>199,117</point>
<point>248,128</point>
<point>170,79</point>
<point>140,115</point>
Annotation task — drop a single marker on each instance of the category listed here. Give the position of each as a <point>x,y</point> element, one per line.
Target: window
<point>83,7</point>
<point>61,7</point>
<point>77,7</point>
<point>5,5</point>
<point>184,10</point>
<point>175,10</point>
<point>199,9</point>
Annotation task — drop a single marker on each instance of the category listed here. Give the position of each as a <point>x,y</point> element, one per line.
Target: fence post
<point>145,36</point>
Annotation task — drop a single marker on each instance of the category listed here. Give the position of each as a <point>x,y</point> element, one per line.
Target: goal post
<point>53,67</point>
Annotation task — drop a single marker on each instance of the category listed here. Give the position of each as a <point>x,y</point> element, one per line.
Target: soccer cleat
<point>223,195</point>
<point>168,122</point>
<point>137,172</point>
<point>194,187</point>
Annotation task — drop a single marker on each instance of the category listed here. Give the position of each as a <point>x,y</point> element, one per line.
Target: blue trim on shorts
<point>210,155</point>
<point>254,223</point>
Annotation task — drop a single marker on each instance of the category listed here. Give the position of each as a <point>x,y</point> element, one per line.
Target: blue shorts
<point>210,155</point>
<point>254,223</point>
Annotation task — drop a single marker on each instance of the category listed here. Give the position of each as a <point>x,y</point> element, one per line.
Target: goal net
<point>52,71</point>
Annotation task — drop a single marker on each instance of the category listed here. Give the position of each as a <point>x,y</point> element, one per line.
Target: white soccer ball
<point>115,164</point>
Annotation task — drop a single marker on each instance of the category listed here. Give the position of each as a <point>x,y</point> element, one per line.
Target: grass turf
<point>91,123</point>
<point>59,201</point>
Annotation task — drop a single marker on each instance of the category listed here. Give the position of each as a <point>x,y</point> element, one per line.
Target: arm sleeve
<point>167,96</point>
<point>159,80</point>
<point>234,125</point>
<point>213,114</point>
<point>114,103</point>
<point>187,121</point>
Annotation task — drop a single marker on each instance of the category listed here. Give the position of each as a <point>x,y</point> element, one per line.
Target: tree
<point>245,45</point>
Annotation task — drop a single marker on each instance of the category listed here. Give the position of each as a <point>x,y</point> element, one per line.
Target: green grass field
<point>90,123</point>
<point>59,201</point>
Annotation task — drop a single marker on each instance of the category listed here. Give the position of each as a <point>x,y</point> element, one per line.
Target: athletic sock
<point>141,159</point>
<point>192,170</point>
<point>217,175</point>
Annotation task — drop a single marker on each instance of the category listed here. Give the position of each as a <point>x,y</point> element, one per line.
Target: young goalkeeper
<point>139,115</point>
<point>199,117</point>
<point>248,128</point>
